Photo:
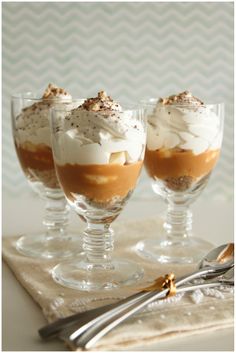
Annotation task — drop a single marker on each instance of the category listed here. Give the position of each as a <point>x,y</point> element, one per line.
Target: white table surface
<point>21,317</point>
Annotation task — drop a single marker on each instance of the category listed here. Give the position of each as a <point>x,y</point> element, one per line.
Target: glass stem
<point>98,243</point>
<point>56,216</point>
<point>178,224</point>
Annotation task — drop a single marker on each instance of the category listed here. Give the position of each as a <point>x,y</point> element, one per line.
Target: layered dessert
<point>33,139</point>
<point>183,141</point>
<point>99,151</point>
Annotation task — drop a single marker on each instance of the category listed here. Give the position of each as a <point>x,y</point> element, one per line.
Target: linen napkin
<point>183,314</point>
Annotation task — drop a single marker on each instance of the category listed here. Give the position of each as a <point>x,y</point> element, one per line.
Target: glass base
<point>82,275</point>
<point>186,251</point>
<point>41,246</point>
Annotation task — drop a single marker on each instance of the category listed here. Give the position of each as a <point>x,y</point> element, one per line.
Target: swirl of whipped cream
<point>32,124</point>
<point>98,128</point>
<point>183,121</point>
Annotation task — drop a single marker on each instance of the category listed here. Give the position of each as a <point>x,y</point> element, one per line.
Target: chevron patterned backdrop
<point>132,50</point>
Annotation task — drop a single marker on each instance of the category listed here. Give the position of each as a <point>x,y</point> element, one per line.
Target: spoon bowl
<point>219,258</point>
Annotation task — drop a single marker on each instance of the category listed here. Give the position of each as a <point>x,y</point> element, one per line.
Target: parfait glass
<point>183,146</point>
<point>97,178</point>
<point>32,139</point>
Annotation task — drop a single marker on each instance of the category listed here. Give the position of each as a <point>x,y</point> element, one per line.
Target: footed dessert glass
<point>32,138</point>
<point>183,145</point>
<point>98,151</point>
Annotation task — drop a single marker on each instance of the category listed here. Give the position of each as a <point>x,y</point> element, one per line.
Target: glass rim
<point>61,106</point>
<point>27,96</point>
<point>134,106</point>
<point>154,101</point>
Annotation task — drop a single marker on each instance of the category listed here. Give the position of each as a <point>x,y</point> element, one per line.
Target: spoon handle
<point>81,319</point>
<point>88,318</point>
<point>97,331</point>
<point>54,328</point>
<point>121,307</point>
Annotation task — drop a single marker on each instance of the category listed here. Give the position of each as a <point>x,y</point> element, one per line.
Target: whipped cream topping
<point>32,124</point>
<point>183,121</point>
<point>98,128</point>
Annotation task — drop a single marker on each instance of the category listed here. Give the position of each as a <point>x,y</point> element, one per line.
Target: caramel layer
<point>38,165</point>
<point>99,183</point>
<point>164,164</point>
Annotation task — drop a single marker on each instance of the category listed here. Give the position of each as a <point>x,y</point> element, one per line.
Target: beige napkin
<point>184,314</point>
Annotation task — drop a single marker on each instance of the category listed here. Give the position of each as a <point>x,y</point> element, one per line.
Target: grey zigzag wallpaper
<point>132,50</point>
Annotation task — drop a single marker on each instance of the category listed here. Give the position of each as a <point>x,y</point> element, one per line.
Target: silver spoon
<point>114,316</point>
<point>92,335</point>
<point>210,266</point>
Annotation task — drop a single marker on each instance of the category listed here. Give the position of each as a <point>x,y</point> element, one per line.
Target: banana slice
<point>100,179</point>
<point>117,158</point>
<point>27,145</point>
